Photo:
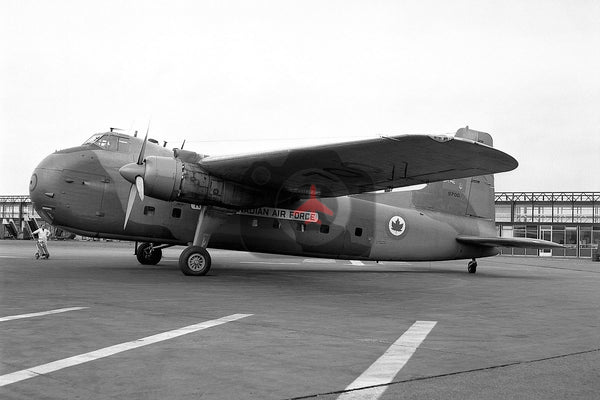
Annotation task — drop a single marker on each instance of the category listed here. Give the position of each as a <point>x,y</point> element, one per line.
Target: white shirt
<point>43,234</point>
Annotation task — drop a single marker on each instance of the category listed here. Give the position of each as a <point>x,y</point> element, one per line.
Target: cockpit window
<point>123,145</point>
<point>109,142</point>
<point>93,139</point>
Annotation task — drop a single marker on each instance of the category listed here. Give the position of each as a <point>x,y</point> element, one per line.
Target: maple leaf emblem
<point>397,225</point>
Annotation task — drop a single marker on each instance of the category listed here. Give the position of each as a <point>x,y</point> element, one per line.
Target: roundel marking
<point>397,226</point>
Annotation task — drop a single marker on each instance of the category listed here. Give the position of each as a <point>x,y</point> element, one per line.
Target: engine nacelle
<point>168,178</point>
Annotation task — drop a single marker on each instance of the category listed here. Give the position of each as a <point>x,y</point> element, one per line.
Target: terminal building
<point>570,218</point>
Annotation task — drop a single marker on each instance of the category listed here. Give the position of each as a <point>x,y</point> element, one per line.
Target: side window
<point>149,210</point>
<point>176,213</point>
<point>324,229</point>
<point>276,224</point>
<point>358,232</point>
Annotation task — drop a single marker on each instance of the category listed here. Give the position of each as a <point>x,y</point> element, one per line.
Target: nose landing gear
<point>472,266</point>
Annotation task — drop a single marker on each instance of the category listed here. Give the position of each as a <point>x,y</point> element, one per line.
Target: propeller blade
<point>141,156</point>
<point>139,183</point>
<point>130,201</point>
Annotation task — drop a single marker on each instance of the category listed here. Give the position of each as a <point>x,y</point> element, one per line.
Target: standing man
<point>43,235</point>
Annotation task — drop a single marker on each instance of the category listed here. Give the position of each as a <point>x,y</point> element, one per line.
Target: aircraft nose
<point>41,186</point>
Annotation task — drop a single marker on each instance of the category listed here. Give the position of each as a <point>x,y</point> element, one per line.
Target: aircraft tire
<point>194,261</point>
<point>472,267</point>
<point>145,256</point>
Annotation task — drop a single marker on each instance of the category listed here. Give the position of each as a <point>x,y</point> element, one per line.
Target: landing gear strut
<point>148,254</point>
<point>472,266</point>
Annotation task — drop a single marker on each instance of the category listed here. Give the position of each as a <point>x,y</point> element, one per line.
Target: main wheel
<point>194,261</point>
<point>472,266</point>
<point>148,255</point>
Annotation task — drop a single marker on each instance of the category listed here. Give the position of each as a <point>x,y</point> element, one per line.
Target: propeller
<point>134,173</point>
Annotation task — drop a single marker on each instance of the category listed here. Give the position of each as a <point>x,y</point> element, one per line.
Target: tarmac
<point>92,323</point>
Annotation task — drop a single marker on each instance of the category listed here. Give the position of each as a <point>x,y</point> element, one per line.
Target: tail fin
<point>467,196</point>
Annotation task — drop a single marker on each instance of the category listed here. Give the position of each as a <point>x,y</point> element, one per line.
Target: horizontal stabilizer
<point>508,242</point>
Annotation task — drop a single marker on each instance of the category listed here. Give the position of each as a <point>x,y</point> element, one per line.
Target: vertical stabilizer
<point>467,196</point>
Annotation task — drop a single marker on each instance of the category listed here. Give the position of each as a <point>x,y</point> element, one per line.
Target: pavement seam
<point>423,378</point>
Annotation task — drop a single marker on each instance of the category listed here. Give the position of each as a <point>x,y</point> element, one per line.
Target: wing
<point>362,166</point>
<point>508,242</point>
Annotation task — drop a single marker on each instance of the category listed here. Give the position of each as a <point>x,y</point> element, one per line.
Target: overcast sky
<point>238,76</point>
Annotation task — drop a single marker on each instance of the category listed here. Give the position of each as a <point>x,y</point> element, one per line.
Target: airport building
<point>569,218</point>
<point>16,212</point>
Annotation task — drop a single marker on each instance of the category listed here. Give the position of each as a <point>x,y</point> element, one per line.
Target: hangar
<point>568,218</point>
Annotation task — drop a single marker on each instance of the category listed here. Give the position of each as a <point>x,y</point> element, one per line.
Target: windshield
<point>93,139</point>
<point>109,141</point>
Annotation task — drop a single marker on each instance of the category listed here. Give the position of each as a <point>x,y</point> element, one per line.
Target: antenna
<point>182,144</point>
<point>135,134</point>
<point>164,143</point>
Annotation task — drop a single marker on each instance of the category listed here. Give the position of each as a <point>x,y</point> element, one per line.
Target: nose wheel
<point>472,266</point>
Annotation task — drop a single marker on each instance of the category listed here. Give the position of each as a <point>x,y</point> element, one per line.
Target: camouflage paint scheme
<point>81,190</point>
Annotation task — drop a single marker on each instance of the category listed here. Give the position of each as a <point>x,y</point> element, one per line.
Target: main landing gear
<point>148,254</point>
<point>195,260</point>
<point>472,266</point>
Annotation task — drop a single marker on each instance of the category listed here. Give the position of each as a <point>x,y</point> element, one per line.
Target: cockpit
<point>110,142</point>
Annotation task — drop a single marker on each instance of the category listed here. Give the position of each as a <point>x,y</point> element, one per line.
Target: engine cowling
<point>170,179</point>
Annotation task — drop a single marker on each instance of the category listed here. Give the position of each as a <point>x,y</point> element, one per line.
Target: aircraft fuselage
<point>82,191</point>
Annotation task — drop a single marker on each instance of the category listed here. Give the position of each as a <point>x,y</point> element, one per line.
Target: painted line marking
<point>319,261</point>
<point>356,262</point>
<point>268,262</point>
<point>37,314</point>
<point>383,371</point>
<point>109,351</point>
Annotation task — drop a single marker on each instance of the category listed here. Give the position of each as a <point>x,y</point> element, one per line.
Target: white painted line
<point>37,314</point>
<point>356,262</point>
<point>383,371</point>
<point>109,351</point>
<point>268,262</point>
<point>319,261</point>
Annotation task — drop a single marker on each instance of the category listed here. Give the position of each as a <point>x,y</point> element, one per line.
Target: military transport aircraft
<point>333,201</point>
